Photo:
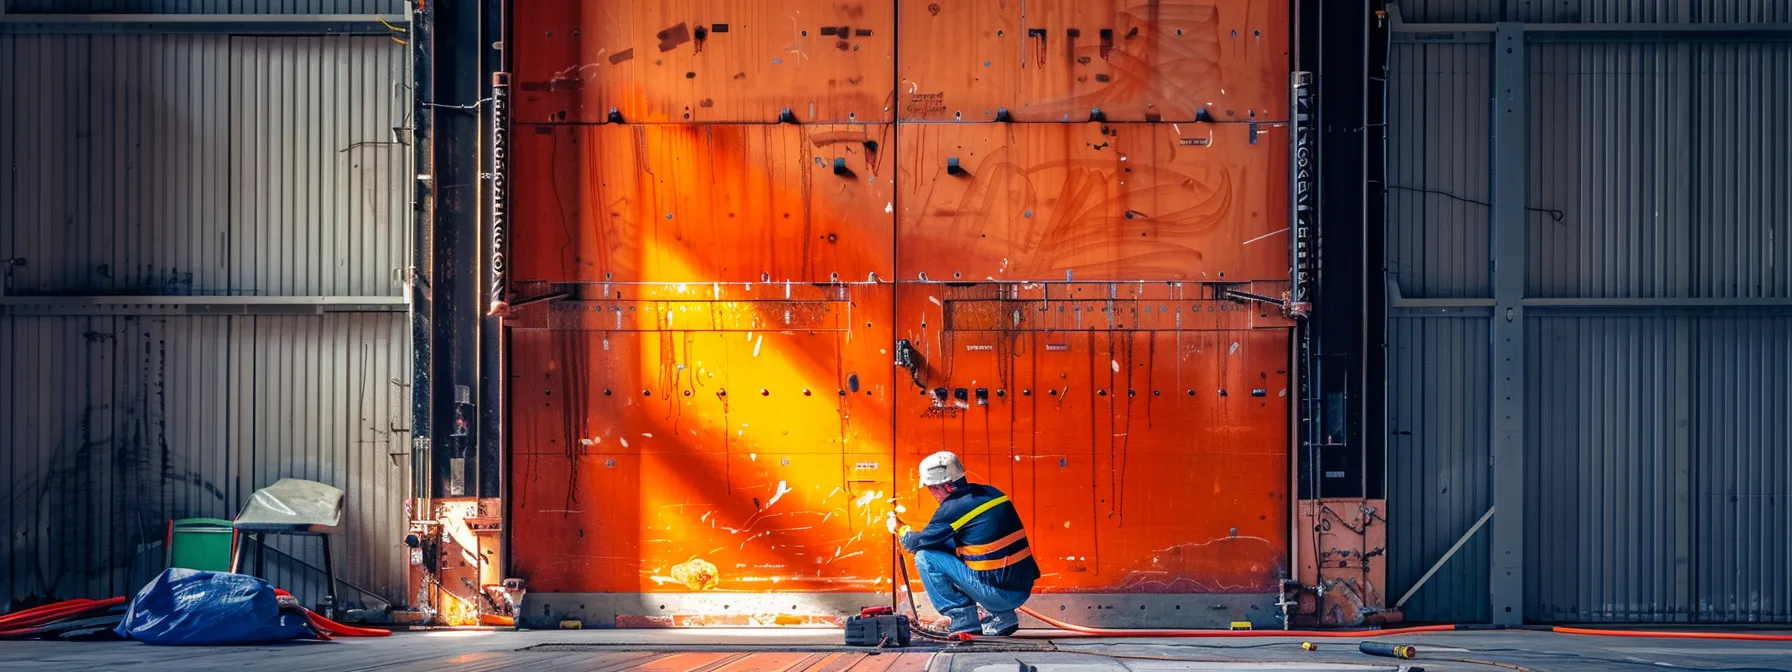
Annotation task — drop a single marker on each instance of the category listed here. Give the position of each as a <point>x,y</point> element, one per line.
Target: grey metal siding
<point>204,164</point>
<point>1741,178</point>
<point>319,178</point>
<point>1610,127</point>
<point>1659,444</point>
<point>1451,11</point>
<point>1741,11</point>
<point>119,424</point>
<point>1437,215</point>
<point>205,6</point>
<point>1743,470</point>
<point>200,165</point>
<point>1608,462</point>
<point>1437,457</point>
<point>1597,11</point>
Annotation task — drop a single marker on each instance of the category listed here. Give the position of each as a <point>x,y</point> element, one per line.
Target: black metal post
<point>422,253</point>
<point>495,66</point>
<point>459,97</point>
<point>1334,46</point>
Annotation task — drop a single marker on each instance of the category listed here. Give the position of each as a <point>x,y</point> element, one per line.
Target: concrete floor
<point>818,650</point>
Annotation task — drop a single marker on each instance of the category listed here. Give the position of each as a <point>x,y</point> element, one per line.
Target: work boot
<point>1001,625</point>
<point>964,621</point>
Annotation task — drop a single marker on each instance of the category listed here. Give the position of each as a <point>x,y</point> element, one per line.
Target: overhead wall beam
<point>1683,31</point>
<point>198,24</point>
<point>67,306</point>
<point>1506,444</point>
<point>1397,300</point>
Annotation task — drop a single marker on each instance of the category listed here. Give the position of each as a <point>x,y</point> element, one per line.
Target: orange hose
<point>1747,636</point>
<point>340,630</point>
<point>1108,632</point>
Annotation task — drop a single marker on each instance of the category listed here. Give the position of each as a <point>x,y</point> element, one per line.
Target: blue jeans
<point>956,593</point>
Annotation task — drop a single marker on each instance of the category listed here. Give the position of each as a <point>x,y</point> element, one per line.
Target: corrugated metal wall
<point>118,424</point>
<point>1438,170</point>
<point>1607,461</point>
<point>205,6</point>
<point>1437,446</point>
<point>1596,11</point>
<point>203,164</point>
<point>1657,468</point>
<point>200,165</point>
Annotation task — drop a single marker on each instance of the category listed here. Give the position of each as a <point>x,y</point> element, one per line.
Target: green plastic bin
<point>200,543</point>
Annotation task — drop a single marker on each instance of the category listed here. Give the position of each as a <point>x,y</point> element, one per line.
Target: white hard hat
<point>941,467</point>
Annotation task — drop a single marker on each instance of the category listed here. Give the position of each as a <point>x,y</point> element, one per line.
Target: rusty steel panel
<point>680,61</point>
<point>679,460</point>
<point>1199,202</point>
<point>1142,461</point>
<point>707,425</point>
<point>1059,60</point>
<point>710,203</point>
<point>1344,551</point>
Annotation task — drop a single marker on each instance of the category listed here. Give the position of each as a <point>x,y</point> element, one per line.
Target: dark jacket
<point>980,525</point>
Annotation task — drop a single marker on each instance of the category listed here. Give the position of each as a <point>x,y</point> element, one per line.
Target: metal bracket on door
<point>1289,307</point>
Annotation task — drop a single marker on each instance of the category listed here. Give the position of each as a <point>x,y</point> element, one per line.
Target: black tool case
<point>877,630</point>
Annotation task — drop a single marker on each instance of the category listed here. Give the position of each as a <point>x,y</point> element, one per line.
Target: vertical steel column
<point>1506,440</point>
<point>455,280</point>
<point>495,155</point>
<point>422,36</point>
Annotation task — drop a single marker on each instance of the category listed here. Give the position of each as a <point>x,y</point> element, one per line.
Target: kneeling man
<point>973,553</point>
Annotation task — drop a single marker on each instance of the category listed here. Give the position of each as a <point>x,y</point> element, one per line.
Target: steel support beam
<point>422,42</point>
<point>457,125</point>
<point>1682,31</point>
<point>197,305</point>
<point>1506,428</point>
<point>201,24</point>
<point>1686,305</point>
<point>493,153</point>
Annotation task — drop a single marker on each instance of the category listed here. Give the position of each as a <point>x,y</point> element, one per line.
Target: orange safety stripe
<point>998,563</point>
<point>991,547</point>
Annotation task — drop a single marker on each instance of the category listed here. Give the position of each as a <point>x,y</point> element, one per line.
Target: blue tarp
<point>191,607</point>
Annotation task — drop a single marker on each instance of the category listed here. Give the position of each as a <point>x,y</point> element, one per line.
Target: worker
<point>973,553</point>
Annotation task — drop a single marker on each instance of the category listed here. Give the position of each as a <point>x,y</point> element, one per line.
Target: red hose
<point>1656,634</point>
<point>41,610</point>
<point>51,613</point>
<point>340,630</point>
<point>1108,632</point>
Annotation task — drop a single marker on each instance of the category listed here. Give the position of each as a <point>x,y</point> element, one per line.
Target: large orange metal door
<point>730,218</point>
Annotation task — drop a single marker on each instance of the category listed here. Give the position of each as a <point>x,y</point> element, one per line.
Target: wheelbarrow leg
<point>330,570</point>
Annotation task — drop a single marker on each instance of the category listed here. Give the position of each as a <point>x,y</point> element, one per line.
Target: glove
<point>890,522</point>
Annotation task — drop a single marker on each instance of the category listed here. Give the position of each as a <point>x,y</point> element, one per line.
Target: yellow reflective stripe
<point>986,565</point>
<point>978,511</point>
<point>991,547</point>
